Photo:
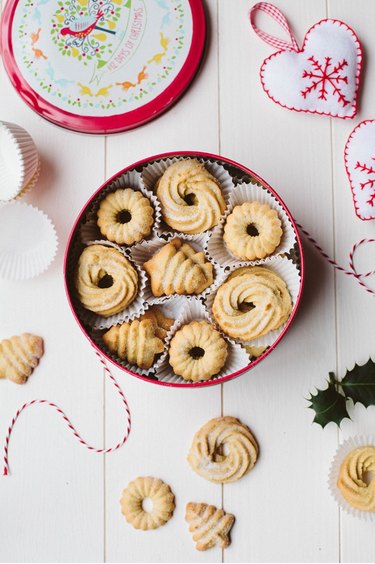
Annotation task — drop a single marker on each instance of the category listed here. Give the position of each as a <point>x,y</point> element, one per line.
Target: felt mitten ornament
<point>360,167</point>
<point>322,76</point>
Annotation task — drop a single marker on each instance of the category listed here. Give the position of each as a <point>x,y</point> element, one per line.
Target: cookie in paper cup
<point>28,241</point>
<point>90,230</point>
<point>242,193</point>
<point>342,452</point>
<point>154,171</point>
<point>289,273</point>
<point>133,310</point>
<point>143,252</point>
<point>195,311</point>
<point>19,162</point>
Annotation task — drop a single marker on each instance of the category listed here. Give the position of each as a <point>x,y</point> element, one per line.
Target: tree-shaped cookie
<point>177,268</point>
<point>210,526</point>
<point>19,356</point>
<point>135,341</point>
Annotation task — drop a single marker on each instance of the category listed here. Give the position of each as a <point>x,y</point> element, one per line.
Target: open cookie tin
<point>239,175</point>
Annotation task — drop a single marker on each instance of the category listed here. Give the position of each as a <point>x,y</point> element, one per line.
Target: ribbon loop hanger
<point>278,16</point>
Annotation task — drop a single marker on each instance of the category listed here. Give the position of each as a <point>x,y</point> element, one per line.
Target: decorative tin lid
<point>101,66</point>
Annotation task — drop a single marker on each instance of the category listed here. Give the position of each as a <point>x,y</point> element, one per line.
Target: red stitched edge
<point>346,150</point>
<point>358,73</point>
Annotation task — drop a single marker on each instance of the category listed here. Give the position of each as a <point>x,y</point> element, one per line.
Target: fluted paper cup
<point>341,453</point>
<point>195,311</point>
<point>153,171</point>
<point>89,230</point>
<point>19,161</point>
<point>28,241</point>
<point>249,192</point>
<point>288,271</point>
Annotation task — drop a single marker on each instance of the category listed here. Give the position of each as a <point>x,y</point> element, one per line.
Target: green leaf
<point>329,405</point>
<point>101,63</point>
<point>359,383</point>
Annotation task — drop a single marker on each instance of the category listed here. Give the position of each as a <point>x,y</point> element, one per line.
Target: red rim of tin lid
<point>114,123</point>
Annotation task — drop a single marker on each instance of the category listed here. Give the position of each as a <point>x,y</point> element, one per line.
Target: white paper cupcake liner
<point>89,230</point>
<point>249,192</point>
<point>343,450</point>
<point>19,161</point>
<point>135,309</point>
<point>288,271</point>
<point>28,241</point>
<point>194,310</point>
<point>172,309</point>
<point>153,171</point>
<point>142,252</point>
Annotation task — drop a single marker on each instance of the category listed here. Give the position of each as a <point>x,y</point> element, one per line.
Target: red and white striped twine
<point>69,423</point>
<point>352,269</point>
<point>279,17</point>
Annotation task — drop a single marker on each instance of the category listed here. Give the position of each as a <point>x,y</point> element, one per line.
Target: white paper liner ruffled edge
<point>28,159</point>
<point>25,267</point>
<point>171,309</point>
<point>342,451</point>
<point>249,192</point>
<point>130,179</point>
<point>153,171</point>
<point>194,311</point>
<point>135,309</point>
<point>288,271</point>
<point>142,252</point>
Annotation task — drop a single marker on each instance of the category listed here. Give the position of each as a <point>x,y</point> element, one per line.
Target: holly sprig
<point>358,385</point>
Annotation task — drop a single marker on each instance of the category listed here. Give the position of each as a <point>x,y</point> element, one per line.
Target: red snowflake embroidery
<point>369,183</point>
<point>326,78</point>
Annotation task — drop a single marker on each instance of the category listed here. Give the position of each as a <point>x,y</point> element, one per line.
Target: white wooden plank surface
<point>61,502</point>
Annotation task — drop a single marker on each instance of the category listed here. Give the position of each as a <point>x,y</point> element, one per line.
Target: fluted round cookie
<point>351,480</point>
<point>197,351</point>
<point>190,197</point>
<point>252,231</point>
<point>106,282</point>
<point>252,302</point>
<point>223,450</point>
<point>162,503</point>
<point>125,216</point>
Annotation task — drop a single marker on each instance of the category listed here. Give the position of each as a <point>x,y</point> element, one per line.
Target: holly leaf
<point>329,405</point>
<point>359,383</point>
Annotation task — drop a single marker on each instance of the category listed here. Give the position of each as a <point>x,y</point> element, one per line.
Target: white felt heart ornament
<point>321,77</point>
<point>360,167</point>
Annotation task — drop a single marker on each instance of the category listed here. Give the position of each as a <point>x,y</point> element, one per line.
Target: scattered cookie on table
<point>135,341</point>
<point>105,280</point>
<point>125,216</point>
<point>162,323</point>
<point>19,356</point>
<point>177,268</point>
<point>197,351</point>
<point>223,450</point>
<point>190,197</point>
<point>159,494</point>
<point>253,301</point>
<point>252,231</point>
<point>352,483</point>
<point>210,526</point>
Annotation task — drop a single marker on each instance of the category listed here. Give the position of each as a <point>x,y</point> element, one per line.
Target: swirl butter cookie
<point>19,356</point>
<point>106,282</point>
<point>190,197</point>
<point>252,302</point>
<point>351,481</point>
<point>223,450</point>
